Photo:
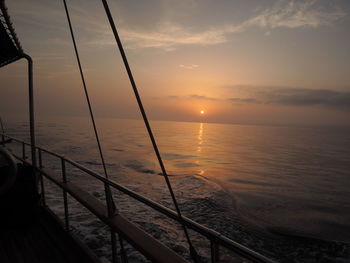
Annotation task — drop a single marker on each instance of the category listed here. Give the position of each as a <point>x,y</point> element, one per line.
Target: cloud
<point>294,14</point>
<point>305,97</point>
<point>244,100</point>
<point>192,66</point>
<point>196,97</point>
<point>170,32</point>
<point>283,14</point>
<point>173,97</point>
<point>201,97</point>
<point>287,96</point>
<point>170,35</point>
<point>292,96</point>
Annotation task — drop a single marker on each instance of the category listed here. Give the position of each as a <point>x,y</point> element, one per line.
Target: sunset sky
<point>241,61</point>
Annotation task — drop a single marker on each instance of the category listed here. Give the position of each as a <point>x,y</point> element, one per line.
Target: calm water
<point>287,187</point>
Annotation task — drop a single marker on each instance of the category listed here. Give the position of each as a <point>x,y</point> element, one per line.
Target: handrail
<point>214,237</point>
<point>142,241</point>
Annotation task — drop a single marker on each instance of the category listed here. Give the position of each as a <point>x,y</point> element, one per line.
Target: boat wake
<point>201,200</point>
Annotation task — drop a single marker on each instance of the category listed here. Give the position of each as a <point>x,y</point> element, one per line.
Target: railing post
<point>214,249</point>
<point>42,186</point>
<point>23,152</point>
<point>122,251</point>
<point>64,179</point>
<point>31,107</point>
<point>114,247</point>
<point>111,208</point>
<point>111,212</point>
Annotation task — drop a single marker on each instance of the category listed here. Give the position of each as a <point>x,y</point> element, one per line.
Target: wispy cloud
<point>169,36</point>
<point>294,14</point>
<point>201,97</point>
<point>244,100</point>
<point>196,97</point>
<point>283,14</point>
<point>292,96</point>
<point>302,97</point>
<point>191,66</point>
<point>170,33</point>
<point>279,96</point>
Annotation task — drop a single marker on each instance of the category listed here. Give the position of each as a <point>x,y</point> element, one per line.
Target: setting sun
<point>239,106</point>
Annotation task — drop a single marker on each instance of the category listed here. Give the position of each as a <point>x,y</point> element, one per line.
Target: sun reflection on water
<point>200,137</point>
<point>200,145</point>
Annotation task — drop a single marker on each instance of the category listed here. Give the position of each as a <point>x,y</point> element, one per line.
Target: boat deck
<point>30,232</point>
<point>40,240</point>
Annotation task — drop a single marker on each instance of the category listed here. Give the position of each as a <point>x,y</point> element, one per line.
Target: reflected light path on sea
<point>200,145</point>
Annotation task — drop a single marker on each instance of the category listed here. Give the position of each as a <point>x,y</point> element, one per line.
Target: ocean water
<point>282,191</point>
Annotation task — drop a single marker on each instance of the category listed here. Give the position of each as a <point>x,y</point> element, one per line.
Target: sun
<point>202,112</point>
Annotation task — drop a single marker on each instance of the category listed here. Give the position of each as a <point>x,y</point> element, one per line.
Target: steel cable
<point>110,202</point>
<point>148,127</point>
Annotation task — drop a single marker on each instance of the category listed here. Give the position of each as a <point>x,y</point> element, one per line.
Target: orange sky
<point>277,62</point>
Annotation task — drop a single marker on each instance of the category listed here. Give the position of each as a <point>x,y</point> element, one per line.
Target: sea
<point>281,191</point>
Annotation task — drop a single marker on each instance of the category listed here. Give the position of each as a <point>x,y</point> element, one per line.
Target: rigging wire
<point>148,127</point>
<point>111,206</point>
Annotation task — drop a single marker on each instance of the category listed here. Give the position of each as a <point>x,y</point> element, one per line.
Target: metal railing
<point>215,238</point>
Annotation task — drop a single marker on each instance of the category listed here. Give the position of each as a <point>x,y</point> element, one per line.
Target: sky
<point>241,61</point>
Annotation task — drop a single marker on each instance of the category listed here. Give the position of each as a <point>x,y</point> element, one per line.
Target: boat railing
<point>216,239</point>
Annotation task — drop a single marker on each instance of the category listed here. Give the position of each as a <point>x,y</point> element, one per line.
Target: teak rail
<point>139,239</point>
